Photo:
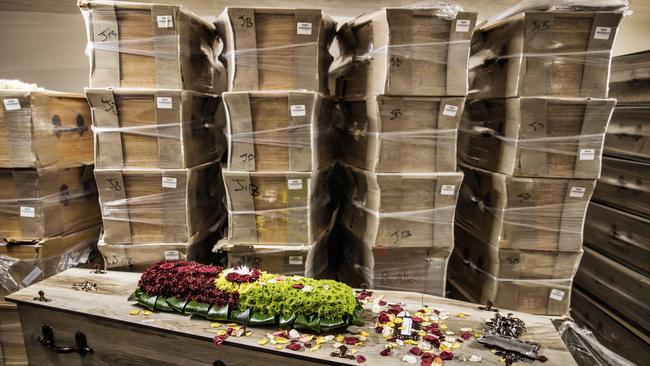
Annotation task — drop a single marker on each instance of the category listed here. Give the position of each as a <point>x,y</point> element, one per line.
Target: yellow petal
<point>422,333</point>
<point>134,312</point>
<point>248,333</point>
<point>390,324</point>
<point>320,340</point>
<point>278,347</point>
<point>147,312</point>
<point>443,326</point>
<point>315,348</point>
<point>419,314</point>
<point>412,342</point>
<point>232,325</point>
<point>359,344</point>
<point>456,345</point>
<point>263,341</point>
<point>352,351</point>
<point>397,321</point>
<point>222,333</point>
<point>339,338</point>
<point>216,325</point>
<point>364,333</point>
<point>281,340</point>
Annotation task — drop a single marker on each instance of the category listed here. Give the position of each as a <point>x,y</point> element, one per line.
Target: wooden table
<point>119,338</point>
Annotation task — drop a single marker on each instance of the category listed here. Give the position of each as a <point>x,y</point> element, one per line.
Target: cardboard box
<point>535,137</point>
<point>162,129</point>
<point>628,134</point>
<point>399,51</point>
<point>550,53</point>
<point>276,49</point>
<point>40,129</point>
<point>279,131</point>
<point>138,45</point>
<point>402,134</point>
<point>159,206</point>
<point>624,185</point>
<point>630,82</point>
<point>524,213</point>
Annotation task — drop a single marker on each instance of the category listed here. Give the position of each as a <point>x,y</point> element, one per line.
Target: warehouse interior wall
<point>43,41</point>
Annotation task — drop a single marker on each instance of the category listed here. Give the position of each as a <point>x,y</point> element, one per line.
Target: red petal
<point>416,351</point>
<point>298,285</point>
<point>446,355</point>
<point>361,359</point>
<point>294,346</point>
<point>466,335</point>
<point>385,352</point>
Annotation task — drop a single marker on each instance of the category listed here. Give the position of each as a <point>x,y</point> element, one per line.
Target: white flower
<point>296,278</point>
<point>307,289</point>
<point>410,359</point>
<point>242,270</point>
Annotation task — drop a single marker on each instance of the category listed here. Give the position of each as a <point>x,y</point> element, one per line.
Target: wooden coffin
<point>402,134</point>
<point>162,129</point>
<point>399,51</point>
<point>276,49</point>
<point>626,291</point>
<point>628,134</point>
<point>535,137</point>
<point>619,235</point>
<point>40,129</point>
<point>138,45</point>
<point>551,53</point>
<point>12,346</point>
<point>42,203</point>
<point>524,213</point>
<point>400,209</point>
<point>624,184</point>
<point>159,206</point>
<point>279,131</point>
<point>630,81</point>
<point>278,208</point>
<point>161,338</point>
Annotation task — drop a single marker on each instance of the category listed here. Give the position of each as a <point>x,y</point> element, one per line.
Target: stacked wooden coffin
<point>403,81</point>
<point>281,146</point>
<point>158,130</point>
<point>530,145</point>
<point>612,285</point>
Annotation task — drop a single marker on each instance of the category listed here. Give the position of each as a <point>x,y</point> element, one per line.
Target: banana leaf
<point>135,295</point>
<point>357,320</point>
<point>240,316</point>
<point>197,308</point>
<point>176,304</point>
<point>309,323</point>
<point>162,305</point>
<point>329,324</point>
<point>286,321</point>
<point>218,313</point>
<point>148,301</point>
<point>262,319</point>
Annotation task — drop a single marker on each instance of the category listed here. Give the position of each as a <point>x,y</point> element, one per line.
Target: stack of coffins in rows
<point>530,145</point>
<point>281,146</point>
<point>402,77</point>
<point>158,130</point>
<point>612,284</point>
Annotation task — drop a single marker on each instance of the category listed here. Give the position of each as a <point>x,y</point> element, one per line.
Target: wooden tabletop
<point>113,288</point>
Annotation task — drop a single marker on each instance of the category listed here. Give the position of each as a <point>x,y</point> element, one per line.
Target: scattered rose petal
<point>298,286</point>
<point>294,346</point>
<point>410,359</point>
<point>215,325</point>
<point>315,348</point>
<point>361,359</point>
<point>351,341</point>
<point>382,302</point>
<point>263,341</point>
<point>542,358</point>
<point>293,334</point>
<point>466,335</point>
<point>474,358</point>
<point>134,312</point>
<point>446,355</point>
<point>385,352</point>
<point>416,351</point>
<point>219,339</point>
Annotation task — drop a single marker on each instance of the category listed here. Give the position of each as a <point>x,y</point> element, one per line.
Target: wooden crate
<point>41,203</point>
<point>276,49</point>
<point>402,134</point>
<point>159,206</point>
<point>279,131</point>
<point>524,213</point>
<point>162,129</point>
<point>630,81</point>
<point>627,291</point>
<point>624,185</point>
<point>40,129</point>
<point>621,236</point>
<point>400,209</point>
<point>628,134</point>
<point>535,137</point>
<point>399,51</point>
<point>279,208</point>
<point>138,45</point>
<point>12,346</point>
<point>550,53</point>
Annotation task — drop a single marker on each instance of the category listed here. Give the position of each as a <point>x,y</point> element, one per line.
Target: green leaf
<point>329,324</point>
<point>147,301</point>
<point>286,321</point>
<point>197,308</point>
<point>358,310</point>
<point>218,313</point>
<point>240,316</point>
<point>135,295</point>
<point>162,305</point>
<point>262,319</point>
<point>309,323</point>
<point>357,321</point>
<point>176,304</point>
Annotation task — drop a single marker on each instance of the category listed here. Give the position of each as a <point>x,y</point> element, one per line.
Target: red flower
<point>361,359</point>
<point>416,351</point>
<point>294,346</point>
<point>446,355</point>
<point>385,352</point>
<point>298,285</point>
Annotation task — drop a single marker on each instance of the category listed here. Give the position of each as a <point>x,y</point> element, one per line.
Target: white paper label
<point>407,325</point>
<point>450,110</point>
<point>172,255</point>
<point>294,184</point>
<point>298,110</point>
<point>587,154</point>
<point>165,21</point>
<point>164,102</point>
<point>577,192</point>
<point>11,104</point>
<point>462,25</point>
<point>556,294</point>
<point>168,182</point>
<point>295,260</point>
<point>303,28</point>
<point>602,32</point>
<point>27,211</point>
<point>447,190</point>
<point>32,276</point>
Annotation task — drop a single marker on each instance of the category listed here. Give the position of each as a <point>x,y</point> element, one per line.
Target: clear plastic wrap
<point>630,82</point>
<point>628,134</point>
<point>151,46</point>
<point>586,349</point>
<point>624,184</point>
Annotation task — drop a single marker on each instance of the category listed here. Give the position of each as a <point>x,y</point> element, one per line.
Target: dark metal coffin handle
<point>80,343</point>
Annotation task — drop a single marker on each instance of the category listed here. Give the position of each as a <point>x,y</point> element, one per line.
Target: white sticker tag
<point>577,192</point>
<point>11,104</point>
<point>450,110</point>
<point>168,182</point>
<point>32,276</point>
<point>172,255</point>
<point>556,294</point>
<point>294,184</point>
<point>602,32</point>
<point>165,21</point>
<point>298,110</point>
<point>26,211</point>
<point>407,325</point>
<point>447,190</point>
<point>303,28</point>
<point>587,154</point>
<point>462,25</point>
<point>164,102</point>
<point>295,260</point>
